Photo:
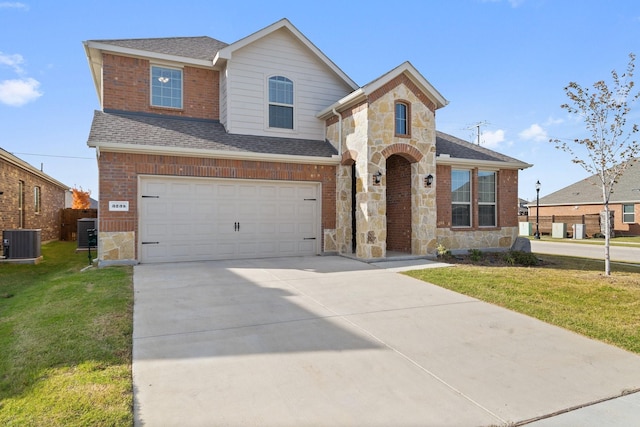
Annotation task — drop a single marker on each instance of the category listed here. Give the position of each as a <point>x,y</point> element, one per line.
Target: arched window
<point>402,119</point>
<point>280,102</point>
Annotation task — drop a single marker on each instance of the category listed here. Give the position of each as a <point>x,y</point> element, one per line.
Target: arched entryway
<point>398,180</point>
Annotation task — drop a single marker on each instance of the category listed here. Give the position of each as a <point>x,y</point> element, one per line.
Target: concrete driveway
<point>318,341</point>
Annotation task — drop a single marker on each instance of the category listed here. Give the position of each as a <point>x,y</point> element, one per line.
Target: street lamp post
<point>537,233</point>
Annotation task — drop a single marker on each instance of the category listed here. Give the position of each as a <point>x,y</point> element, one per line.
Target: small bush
<point>475,255</point>
<point>443,252</point>
<point>521,258</point>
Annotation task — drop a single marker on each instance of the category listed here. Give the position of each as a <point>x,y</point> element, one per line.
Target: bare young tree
<point>610,149</point>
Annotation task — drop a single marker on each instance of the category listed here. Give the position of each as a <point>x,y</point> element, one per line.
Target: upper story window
<point>486,199</point>
<point>36,199</point>
<point>402,119</point>
<point>166,87</point>
<point>280,102</point>
<point>461,198</point>
<point>628,214</point>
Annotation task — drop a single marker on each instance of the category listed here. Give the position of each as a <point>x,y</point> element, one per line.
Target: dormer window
<point>280,102</point>
<point>166,87</point>
<point>402,119</point>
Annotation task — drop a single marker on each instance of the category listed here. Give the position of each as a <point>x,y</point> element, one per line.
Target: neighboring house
<point>29,198</point>
<point>585,197</point>
<point>522,207</point>
<point>264,147</point>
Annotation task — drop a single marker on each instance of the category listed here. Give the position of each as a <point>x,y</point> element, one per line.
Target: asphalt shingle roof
<point>179,132</point>
<point>461,149</point>
<point>189,47</point>
<point>589,190</point>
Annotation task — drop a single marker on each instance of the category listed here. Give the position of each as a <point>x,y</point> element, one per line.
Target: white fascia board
<point>217,154</point>
<point>453,161</point>
<point>226,52</point>
<point>415,76</point>
<point>95,66</point>
<point>149,55</point>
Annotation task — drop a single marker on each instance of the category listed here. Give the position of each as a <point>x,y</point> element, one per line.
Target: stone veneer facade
<point>368,132</point>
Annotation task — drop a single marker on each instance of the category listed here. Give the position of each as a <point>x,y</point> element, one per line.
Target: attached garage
<point>197,219</point>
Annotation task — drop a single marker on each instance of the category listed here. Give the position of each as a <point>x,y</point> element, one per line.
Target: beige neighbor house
<point>265,148</point>
<point>585,198</point>
<point>29,198</point>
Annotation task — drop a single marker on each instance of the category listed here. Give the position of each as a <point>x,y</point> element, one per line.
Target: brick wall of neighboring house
<point>119,179</point>
<point>126,83</point>
<point>398,180</point>
<point>507,193</point>
<point>52,199</point>
<point>573,210</point>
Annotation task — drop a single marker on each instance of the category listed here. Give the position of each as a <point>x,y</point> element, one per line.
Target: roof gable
<point>226,53</point>
<point>589,190</point>
<point>363,93</point>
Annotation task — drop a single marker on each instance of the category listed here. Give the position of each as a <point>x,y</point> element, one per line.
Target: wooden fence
<point>591,222</point>
<point>69,222</point>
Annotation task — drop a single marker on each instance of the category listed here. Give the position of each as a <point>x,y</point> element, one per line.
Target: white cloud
<point>12,61</point>
<point>551,121</point>
<point>13,5</point>
<point>19,91</point>
<point>491,139</point>
<point>534,133</point>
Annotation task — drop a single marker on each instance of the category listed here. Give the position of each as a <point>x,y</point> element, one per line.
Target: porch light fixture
<point>377,177</point>
<point>537,233</point>
<point>428,180</point>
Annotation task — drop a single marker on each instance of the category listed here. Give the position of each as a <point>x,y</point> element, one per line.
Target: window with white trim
<point>460,198</point>
<point>280,102</point>
<point>486,199</point>
<point>166,87</point>
<point>628,214</point>
<point>402,119</point>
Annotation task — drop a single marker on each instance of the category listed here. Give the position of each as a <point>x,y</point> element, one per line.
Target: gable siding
<point>315,86</point>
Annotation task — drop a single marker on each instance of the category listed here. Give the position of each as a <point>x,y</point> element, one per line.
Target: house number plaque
<point>119,206</point>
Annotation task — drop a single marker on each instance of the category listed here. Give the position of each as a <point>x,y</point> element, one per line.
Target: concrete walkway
<point>332,341</point>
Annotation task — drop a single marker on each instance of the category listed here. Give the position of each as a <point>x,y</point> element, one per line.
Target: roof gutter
<point>446,160</point>
<point>218,154</point>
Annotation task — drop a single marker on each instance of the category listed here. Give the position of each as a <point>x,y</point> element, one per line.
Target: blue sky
<point>503,63</point>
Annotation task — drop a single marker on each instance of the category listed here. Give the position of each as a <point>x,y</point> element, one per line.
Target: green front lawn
<point>568,292</point>
<point>66,340</point>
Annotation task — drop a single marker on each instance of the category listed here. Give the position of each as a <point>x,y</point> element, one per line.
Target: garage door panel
<point>198,219</point>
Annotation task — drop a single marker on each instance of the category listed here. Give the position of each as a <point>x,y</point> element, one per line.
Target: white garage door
<point>194,219</point>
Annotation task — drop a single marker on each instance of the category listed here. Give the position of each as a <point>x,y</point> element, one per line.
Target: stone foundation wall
<point>458,240</point>
<point>116,245</point>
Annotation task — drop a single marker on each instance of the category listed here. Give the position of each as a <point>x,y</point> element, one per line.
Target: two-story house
<point>264,147</point>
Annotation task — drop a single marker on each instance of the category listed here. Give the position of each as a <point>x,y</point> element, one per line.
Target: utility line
<point>53,155</point>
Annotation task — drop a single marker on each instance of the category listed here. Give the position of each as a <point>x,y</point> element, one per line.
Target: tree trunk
<point>607,240</point>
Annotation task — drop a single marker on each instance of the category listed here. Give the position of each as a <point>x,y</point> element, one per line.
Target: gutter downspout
<point>333,110</point>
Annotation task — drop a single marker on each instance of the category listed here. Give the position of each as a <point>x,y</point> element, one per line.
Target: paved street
<point>618,253</point>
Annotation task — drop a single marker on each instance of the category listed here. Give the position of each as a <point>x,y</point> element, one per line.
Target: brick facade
<point>398,182</point>
<point>52,200</point>
<point>507,198</point>
<point>119,181</point>
<point>127,88</point>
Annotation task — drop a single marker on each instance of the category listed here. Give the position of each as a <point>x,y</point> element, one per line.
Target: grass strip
<point>568,292</point>
<point>66,342</point>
